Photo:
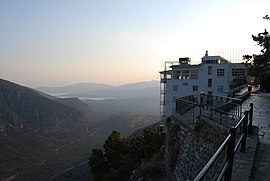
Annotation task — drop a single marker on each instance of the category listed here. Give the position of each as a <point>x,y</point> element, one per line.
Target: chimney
<point>185,60</point>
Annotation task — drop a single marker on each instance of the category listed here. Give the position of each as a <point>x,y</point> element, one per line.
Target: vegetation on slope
<point>120,157</point>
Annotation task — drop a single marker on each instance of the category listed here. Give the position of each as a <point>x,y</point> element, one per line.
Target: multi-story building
<point>214,75</point>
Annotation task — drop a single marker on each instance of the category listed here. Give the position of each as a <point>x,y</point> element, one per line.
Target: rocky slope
<point>22,107</point>
<point>39,136</point>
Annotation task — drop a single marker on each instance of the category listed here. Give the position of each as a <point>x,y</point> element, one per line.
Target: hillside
<point>34,111</point>
<point>126,122</point>
<point>43,136</point>
<point>76,104</point>
<point>38,136</point>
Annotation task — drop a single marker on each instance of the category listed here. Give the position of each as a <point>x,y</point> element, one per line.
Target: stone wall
<point>190,143</point>
<point>194,144</point>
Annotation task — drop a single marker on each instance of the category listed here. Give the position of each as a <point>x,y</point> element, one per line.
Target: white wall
<point>220,84</point>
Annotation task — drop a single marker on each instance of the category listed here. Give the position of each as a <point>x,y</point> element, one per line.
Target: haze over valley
<point>104,100</point>
<point>43,133</point>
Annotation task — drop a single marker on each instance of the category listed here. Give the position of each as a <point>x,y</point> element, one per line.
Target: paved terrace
<point>254,164</point>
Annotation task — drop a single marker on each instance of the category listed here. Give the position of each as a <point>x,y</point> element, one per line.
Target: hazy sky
<point>59,42</point>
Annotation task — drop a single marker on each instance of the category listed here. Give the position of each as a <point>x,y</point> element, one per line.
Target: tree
<point>259,65</point>
<point>151,143</point>
<point>119,160</point>
<point>120,157</point>
<point>145,146</point>
<point>115,163</point>
<point>98,164</point>
<point>115,146</point>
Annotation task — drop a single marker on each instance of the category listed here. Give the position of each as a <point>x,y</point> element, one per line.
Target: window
<point>219,88</point>
<point>168,76</point>
<point>238,72</point>
<point>220,72</point>
<point>174,98</point>
<point>210,61</point>
<point>185,84</point>
<point>175,88</point>
<point>176,74</point>
<point>194,74</point>
<point>195,88</point>
<point>185,74</point>
<point>209,82</point>
<point>209,70</point>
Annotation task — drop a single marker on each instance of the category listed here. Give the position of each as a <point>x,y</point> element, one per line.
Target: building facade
<point>214,75</point>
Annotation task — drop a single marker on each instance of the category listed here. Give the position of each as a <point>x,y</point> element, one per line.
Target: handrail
<point>239,123</point>
<point>238,143</point>
<point>223,171</point>
<point>232,147</point>
<point>213,95</point>
<point>250,118</point>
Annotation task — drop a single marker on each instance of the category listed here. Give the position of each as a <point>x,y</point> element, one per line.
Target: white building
<point>214,75</point>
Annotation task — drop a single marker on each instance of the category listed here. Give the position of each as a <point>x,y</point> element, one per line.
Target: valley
<point>54,144</point>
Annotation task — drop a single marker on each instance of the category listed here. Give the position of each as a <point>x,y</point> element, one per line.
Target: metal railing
<point>211,106</point>
<point>231,143</point>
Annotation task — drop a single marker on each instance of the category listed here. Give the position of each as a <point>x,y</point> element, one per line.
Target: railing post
<point>201,104</point>
<point>230,154</point>
<point>250,119</point>
<point>244,140</point>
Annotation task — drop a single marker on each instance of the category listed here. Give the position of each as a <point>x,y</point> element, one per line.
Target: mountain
<point>74,89</point>
<point>40,137</point>
<point>77,104</point>
<point>73,102</point>
<point>121,93</point>
<point>140,97</point>
<point>22,107</point>
<point>139,85</point>
<point>133,90</point>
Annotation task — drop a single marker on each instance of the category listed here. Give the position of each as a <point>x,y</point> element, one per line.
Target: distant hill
<point>139,85</point>
<point>133,90</point>
<point>140,97</point>
<point>74,89</point>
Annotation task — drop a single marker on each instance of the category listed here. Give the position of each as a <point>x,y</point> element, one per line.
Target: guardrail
<point>231,143</point>
<point>214,107</point>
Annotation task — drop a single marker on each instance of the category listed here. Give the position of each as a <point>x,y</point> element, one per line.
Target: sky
<point>62,42</point>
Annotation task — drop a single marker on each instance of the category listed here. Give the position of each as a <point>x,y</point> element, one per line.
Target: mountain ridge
<point>39,136</point>
<point>130,90</point>
<point>35,111</point>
